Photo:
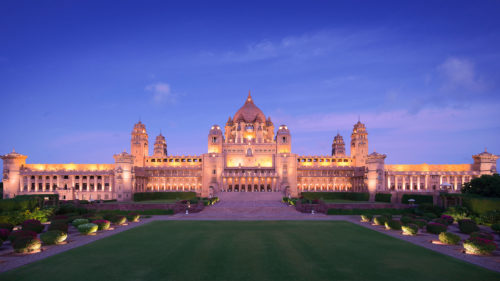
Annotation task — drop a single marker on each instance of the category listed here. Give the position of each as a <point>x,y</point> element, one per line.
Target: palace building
<point>249,154</point>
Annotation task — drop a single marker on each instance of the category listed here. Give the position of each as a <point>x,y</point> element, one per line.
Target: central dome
<point>249,112</point>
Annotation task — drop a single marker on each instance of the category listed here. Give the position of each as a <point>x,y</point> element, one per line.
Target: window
<point>284,139</point>
<point>66,177</point>
<point>214,139</point>
<point>214,172</point>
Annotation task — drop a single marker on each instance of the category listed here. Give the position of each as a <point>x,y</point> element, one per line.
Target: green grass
<point>263,250</point>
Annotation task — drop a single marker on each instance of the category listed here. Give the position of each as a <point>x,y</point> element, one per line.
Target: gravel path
<point>8,260</point>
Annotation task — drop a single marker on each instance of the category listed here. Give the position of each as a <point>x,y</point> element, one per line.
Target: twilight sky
<point>424,76</point>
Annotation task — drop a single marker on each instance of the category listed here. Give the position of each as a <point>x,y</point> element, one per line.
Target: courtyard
<point>250,250</point>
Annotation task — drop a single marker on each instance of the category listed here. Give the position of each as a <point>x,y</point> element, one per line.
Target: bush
<point>18,217</point>
<point>490,217</point>
<point>406,220</point>
<point>483,235</point>
<point>18,204</point>
<point>479,246</point>
<point>481,205</point>
<point>33,225</point>
<point>485,185</point>
<point>133,217</point>
<point>435,228</point>
<point>383,197</point>
<point>58,225</point>
<point>380,220</point>
<point>118,220</point>
<point>53,237</point>
<point>354,196</point>
<point>441,221</point>
<point>78,222</point>
<point>420,222</point>
<point>87,228</point>
<point>26,244</point>
<point>448,219</point>
<point>419,198</point>
<point>102,224</point>
<point>496,228</point>
<point>393,224</point>
<point>458,212</point>
<point>366,218</point>
<point>367,211</point>
<point>449,238</point>
<point>145,196</point>
<point>467,226</point>
<point>8,226</point>
<point>21,233</point>
<point>410,229</point>
<point>429,208</point>
<point>4,234</point>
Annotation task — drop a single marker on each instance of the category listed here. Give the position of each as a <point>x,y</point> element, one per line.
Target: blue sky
<point>423,76</point>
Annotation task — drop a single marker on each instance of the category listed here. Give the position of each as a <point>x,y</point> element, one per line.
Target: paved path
<point>251,210</point>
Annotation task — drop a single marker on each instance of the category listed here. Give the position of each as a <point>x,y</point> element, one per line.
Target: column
<point>58,181</point>
<point>396,182</point>
<point>418,183</point>
<point>21,183</point>
<point>455,182</point>
<point>88,183</point>
<point>440,181</point>
<point>426,182</point>
<point>411,182</point>
<point>111,184</point>
<point>95,183</point>
<point>73,182</point>
<point>388,181</point>
<point>51,188</point>
<point>36,183</point>
<point>404,182</point>
<point>29,183</point>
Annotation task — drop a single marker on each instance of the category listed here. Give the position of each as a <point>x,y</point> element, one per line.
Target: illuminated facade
<point>247,157</point>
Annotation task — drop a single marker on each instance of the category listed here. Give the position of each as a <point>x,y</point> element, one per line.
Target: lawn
<point>262,250</point>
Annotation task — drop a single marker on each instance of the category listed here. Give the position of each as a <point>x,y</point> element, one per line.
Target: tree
<point>486,185</point>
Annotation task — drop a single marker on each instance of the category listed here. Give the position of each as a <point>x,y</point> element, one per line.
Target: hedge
<point>383,197</point>
<point>18,204</point>
<point>354,196</point>
<point>481,205</point>
<point>367,211</point>
<point>419,198</point>
<point>144,196</point>
<point>53,237</point>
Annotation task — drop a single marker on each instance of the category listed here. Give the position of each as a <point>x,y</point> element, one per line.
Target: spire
<point>249,98</point>
<point>13,150</point>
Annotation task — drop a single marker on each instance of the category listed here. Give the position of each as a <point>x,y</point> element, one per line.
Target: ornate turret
<point>338,146</point>
<point>283,140</point>
<point>215,139</point>
<point>139,144</point>
<point>160,148</point>
<point>12,164</point>
<point>359,144</point>
<point>485,162</point>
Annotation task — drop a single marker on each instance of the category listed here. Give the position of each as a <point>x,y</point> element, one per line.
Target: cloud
<point>161,92</point>
<point>459,75</point>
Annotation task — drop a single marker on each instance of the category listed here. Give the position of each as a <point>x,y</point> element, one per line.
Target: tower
<point>338,146</point>
<point>11,179</point>
<point>124,176</point>
<point>215,140</point>
<point>139,144</point>
<point>359,144</point>
<point>160,148</point>
<point>283,140</point>
<point>376,176</point>
<point>485,163</point>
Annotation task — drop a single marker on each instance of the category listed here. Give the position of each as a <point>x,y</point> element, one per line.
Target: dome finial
<point>13,150</point>
<point>249,98</point>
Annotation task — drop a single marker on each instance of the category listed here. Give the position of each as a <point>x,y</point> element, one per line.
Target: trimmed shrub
<point>367,211</point>
<point>393,224</point>
<point>8,226</point>
<point>479,246</point>
<point>410,229</point>
<point>78,222</point>
<point>435,228</point>
<point>449,238</point>
<point>133,217</point>
<point>53,237</point>
<point>380,220</point>
<point>388,216</point>
<point>366,218</point>
<point>102,224</point>
<point>87,228</point>
<point>483,235</point>
<point>21,233</point>
<point>448,219</point>
<point>420,222</point>
<point>467,226</point>
<point>58,225</point>
<point>144,196</point>
<point>383,197</point>
<point>441,221</point>
<point>419,198</point>
<point>490,217</point>
<point>406,220</point>
<point>26,245</point>
<point>496,228</point>
<point>4,234</point>
<point>118,220</point>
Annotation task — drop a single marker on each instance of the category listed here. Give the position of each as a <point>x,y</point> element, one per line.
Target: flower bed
<point>449,219</point>
<point>435,228</point>
<point>53,237</point>
<point>483,235</point>
<point>20,234</point>
<point>479,246</point>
